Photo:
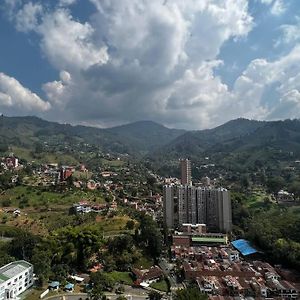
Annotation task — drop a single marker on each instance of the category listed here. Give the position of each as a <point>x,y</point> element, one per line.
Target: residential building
<point>196,205</point>
<point>186,173</point>
<point>15,278</point>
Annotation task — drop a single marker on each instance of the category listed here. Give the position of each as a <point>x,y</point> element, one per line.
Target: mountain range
<point>249,140</point>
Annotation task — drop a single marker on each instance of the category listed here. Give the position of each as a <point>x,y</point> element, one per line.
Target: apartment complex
<point>197,205</point>
<point>186,172</point>
<point>15,278</point>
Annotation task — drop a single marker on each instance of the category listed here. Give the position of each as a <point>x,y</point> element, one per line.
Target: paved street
<point>167,267</point>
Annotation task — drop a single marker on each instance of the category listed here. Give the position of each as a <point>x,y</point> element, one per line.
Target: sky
<point>189,64</point>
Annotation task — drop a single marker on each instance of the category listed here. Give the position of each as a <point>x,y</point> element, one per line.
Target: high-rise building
<point>196,205</point>
<point>186,176</point>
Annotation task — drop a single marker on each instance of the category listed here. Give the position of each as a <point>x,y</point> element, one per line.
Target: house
<point>284,196</point>
<point>54,285</point>
<point>69,287</point>
<point>15,278</point>
<point>147,276</point>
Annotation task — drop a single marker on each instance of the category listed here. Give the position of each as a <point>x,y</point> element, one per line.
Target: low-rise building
<point>15,278</point>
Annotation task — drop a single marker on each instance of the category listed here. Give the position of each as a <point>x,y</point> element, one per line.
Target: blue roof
<point>54,284</point>
<point>244,247</point>
<point>69,286</point>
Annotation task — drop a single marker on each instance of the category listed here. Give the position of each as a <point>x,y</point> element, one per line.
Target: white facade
<point>15,278</point>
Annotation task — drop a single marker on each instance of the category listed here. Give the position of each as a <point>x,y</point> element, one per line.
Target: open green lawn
<point>38,197</point>
<point>121,277</point>
<point>44,157</point>
<point>112,163</point>
<point>161,285</point>
<point>145,262</point>
<point>257,199</point>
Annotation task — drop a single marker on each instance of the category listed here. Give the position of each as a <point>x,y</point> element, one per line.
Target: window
<point>9,283</point>
<point>20,288</point>
<point>26,273</point>
<point>15,279</point>
<point>20,277</point>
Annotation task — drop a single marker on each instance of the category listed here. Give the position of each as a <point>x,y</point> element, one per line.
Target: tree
<point>295,189</point>
<point>96,293</point>
<point>101,281</point>
<point>41,261</point>
<point>130,225</point>
<point>153,295</point>
<point>150,236</point>
<point>23,244</point>
<point>275,184</point>
<point>190,293</point>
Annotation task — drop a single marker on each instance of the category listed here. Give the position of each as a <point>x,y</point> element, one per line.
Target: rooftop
<point>208,239</point>
<point>244,247</point>
<point>12,269</point>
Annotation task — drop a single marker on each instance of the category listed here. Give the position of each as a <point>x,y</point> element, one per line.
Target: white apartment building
<point>15,278</point>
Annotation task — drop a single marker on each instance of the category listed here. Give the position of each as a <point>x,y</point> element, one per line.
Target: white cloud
<point>290,33</point>
<point>278,7</point>
<point>267,2</point>
<point>283,75</point>
<point>291,96</point>
<point>69,44</point>
<point>138,59</point>
<point>56,90</point>
<point>14,97</point>
<point>66,2</point>
<point>27,17</point>
<point>160,62</point>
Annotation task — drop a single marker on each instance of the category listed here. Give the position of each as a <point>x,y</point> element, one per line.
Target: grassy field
<point>121,277</point>
<point>161,285</point>
<point>145,262</point>
<point>38,197</point>
<point>257,199</point>
<point>112,163</point>
<point>44,157</point>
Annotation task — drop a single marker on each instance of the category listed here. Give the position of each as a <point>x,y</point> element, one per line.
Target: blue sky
<point>186,64</point>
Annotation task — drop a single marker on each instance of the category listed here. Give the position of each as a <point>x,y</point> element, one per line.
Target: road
<point>130,294</point>
<point>167,267</point>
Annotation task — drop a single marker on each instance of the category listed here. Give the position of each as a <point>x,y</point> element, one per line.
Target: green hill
<point>135,139</point>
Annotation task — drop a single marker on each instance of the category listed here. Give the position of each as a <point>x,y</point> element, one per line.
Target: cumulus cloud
<point>283,75</point>
<point>27,17</point>
<point>278,7</point>
<point>14,97</point>
<point>68,43</point>
<point>290,33</point>
<point>66,2</point>
<point>56,90</point>
<point>158,63</point>
<point>138,59</point>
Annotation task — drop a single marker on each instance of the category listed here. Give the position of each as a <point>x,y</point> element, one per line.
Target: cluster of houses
<point>151,205</point>
<point>53,174</point>
<point>228,271</point>
<point>85,207</point>
<point>10,162</point>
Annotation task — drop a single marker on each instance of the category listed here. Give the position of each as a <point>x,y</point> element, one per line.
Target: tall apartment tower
<point>196,205</point>
<point>186,174</point>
